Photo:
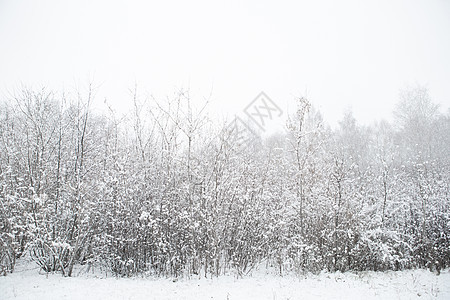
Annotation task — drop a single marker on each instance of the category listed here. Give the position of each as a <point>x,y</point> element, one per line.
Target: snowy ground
<point>27,283</point>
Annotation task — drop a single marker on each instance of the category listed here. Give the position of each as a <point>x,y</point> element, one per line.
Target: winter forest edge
<point>165,191</point>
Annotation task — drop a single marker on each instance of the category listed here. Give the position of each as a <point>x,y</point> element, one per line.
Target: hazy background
<point>340,54</point>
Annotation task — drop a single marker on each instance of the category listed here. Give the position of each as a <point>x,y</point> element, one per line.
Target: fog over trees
<point>166,190</point>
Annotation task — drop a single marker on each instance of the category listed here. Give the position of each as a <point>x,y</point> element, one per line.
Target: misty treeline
<point>165,190</point>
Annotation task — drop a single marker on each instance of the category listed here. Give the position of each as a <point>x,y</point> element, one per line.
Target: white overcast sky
<point>341,54</point>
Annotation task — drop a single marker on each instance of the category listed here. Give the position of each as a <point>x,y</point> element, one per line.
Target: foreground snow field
<point>27,283</point>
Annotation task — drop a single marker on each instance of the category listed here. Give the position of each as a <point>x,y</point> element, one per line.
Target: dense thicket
<point>166,191</point>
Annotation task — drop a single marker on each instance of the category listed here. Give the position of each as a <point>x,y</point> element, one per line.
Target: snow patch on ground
<point>27,283</point>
